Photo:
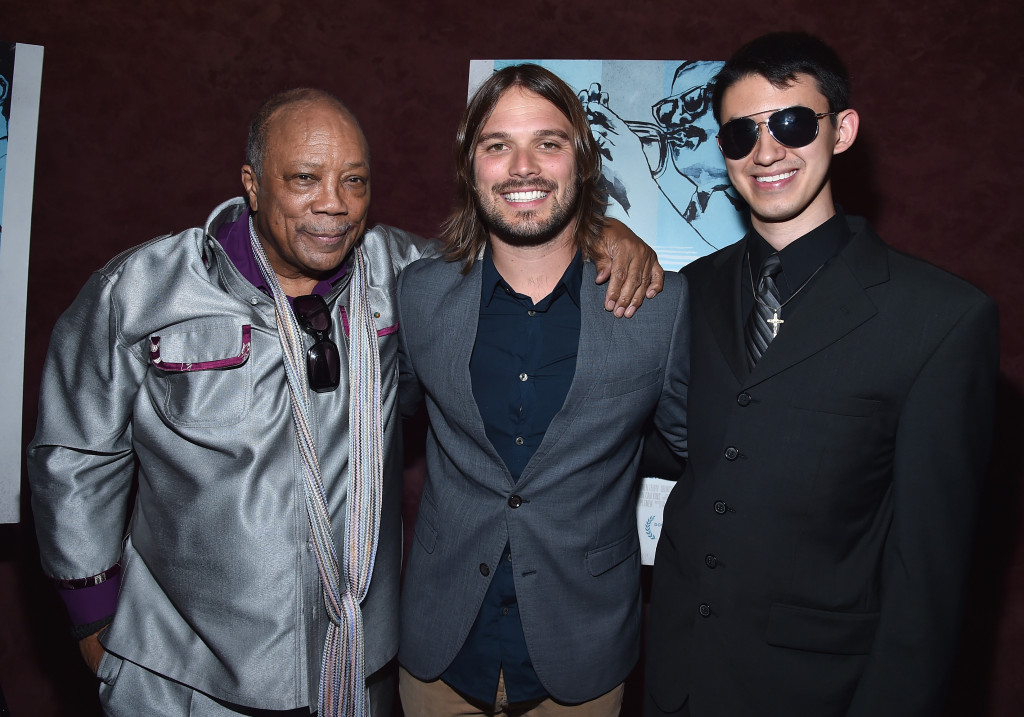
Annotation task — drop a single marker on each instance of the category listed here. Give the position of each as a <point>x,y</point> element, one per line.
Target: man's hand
<point>629,266</point>
<point>92,651</point>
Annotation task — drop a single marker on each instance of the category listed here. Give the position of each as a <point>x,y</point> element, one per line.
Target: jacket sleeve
<point>81,461</point>
<point>941,453</point>
<point>670,415</point>
<point>405,247</point>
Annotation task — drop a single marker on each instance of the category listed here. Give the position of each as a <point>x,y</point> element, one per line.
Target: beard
<point>527,228</point>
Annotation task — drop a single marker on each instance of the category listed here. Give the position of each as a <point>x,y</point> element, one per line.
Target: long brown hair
<point>464,232</point>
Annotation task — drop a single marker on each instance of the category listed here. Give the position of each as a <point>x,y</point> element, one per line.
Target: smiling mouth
<point>530,196</point>
<point>775,177</point>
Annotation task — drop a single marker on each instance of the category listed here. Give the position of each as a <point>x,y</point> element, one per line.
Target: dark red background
<point>142,126</point>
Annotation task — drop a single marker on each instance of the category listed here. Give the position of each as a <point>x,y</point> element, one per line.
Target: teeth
<point>776,177</point>
<point>524,196</point>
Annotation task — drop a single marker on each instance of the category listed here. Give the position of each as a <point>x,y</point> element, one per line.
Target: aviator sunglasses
<point>323,361</point>
<point>791,127</point>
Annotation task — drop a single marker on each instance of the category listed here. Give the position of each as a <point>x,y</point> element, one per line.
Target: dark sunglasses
<point>791,127</point>
<point>692,103</point>
<point>323,360</point>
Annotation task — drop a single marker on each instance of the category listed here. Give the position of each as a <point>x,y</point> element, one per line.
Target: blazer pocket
<point>109,668</point>
<point>829,631</point>
<point>604,559</point>
<point>203,372</point>
<point>631,384</point>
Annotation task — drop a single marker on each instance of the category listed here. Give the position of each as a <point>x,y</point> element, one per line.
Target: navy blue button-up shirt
<point>523,363</point>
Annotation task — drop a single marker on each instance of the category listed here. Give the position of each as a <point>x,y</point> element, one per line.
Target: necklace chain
<point>791,296</point>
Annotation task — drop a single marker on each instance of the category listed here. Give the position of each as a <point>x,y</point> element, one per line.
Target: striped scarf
<point>343,670</point>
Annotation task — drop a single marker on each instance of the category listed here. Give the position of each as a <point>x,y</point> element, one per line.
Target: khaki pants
<point>437,699</point>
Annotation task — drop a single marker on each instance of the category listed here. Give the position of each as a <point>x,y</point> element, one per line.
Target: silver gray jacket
<point>219,583</point>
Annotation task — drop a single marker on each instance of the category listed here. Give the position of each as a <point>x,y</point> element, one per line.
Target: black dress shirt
<point>523,363</point>
<point>800,260</point>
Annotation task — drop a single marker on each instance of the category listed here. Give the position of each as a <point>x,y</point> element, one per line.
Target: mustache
<point>326,229</point>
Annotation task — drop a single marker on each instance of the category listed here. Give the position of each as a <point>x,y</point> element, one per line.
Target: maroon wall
<point>142,125</point>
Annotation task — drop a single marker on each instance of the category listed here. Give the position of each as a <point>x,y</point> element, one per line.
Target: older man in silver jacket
<point>247,370</point>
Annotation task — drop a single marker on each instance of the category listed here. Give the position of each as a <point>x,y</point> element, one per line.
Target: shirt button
<point>504,611</point>
<point>531,312</point>
<point>731,453</point>
<point>743,399</point>
<point>523,377</point>
<point>514,502</point>
<point>720,507</point>
<point>519,440</point>
<point>711,561</point>
<point>484,570</point>
<point>704,610</point>
<point>253,300</point>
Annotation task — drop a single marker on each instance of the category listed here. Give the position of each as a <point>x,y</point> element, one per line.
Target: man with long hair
<point>522,590</point>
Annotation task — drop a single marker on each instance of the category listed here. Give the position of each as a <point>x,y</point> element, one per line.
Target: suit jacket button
<point>704,610</point>
<point>720,507</point>
<point>711,561</point>
<point>731,453</point>
<point>743,399</point>
<point>484,570</point>
<point>515,501</point>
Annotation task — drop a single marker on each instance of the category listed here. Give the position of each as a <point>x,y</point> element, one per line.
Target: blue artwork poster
<point>20,77</point>
<point>6,75</point>
<point>663,172</point>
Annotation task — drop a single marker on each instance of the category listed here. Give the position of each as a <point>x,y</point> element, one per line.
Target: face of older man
<point>310,202</point>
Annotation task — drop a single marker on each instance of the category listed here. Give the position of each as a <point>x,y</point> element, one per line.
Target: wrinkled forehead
<point>294,124</point>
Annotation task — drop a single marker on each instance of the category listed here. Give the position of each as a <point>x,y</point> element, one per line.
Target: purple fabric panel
<point>380,332</point>
<point>230,362</point>
<point>92,603</point>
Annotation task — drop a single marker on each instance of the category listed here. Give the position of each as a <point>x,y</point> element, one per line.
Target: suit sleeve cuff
<point>91,599</point>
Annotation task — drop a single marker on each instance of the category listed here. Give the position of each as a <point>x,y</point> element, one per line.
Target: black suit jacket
<point>814,554</point>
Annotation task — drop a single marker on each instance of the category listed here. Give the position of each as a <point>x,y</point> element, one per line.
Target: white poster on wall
<point>663,173</point>
<point>21,68</point>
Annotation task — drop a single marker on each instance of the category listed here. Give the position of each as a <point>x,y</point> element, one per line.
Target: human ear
<point>847,124</point>
<point>252,186</point>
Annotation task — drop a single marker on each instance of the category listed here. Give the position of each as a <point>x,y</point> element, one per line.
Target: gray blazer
<point>571,518</point>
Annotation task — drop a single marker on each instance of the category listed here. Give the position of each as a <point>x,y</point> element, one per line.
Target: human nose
<point>524,163</point>
<point>767,149</point>
<point>330,199</point>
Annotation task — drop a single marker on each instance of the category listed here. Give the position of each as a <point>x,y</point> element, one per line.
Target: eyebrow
<point>318,165</point>
<point>538,133</point>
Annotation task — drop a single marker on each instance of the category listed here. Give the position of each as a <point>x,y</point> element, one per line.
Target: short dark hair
<point>256,147</point>
<point>779,57</point>
<point>464,232</point>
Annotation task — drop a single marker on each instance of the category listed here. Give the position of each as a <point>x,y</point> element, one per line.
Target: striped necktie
<point>763,323</point>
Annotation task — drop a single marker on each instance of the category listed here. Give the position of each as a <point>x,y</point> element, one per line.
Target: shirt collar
<point>570,283</point>
<point>803,256</point>
<point>234,238</point>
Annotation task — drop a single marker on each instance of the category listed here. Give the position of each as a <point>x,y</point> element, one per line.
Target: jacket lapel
<point>461,309</point>
<point>719,301</point>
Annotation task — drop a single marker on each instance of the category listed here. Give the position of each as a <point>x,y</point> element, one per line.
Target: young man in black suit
<point>814,554</point>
